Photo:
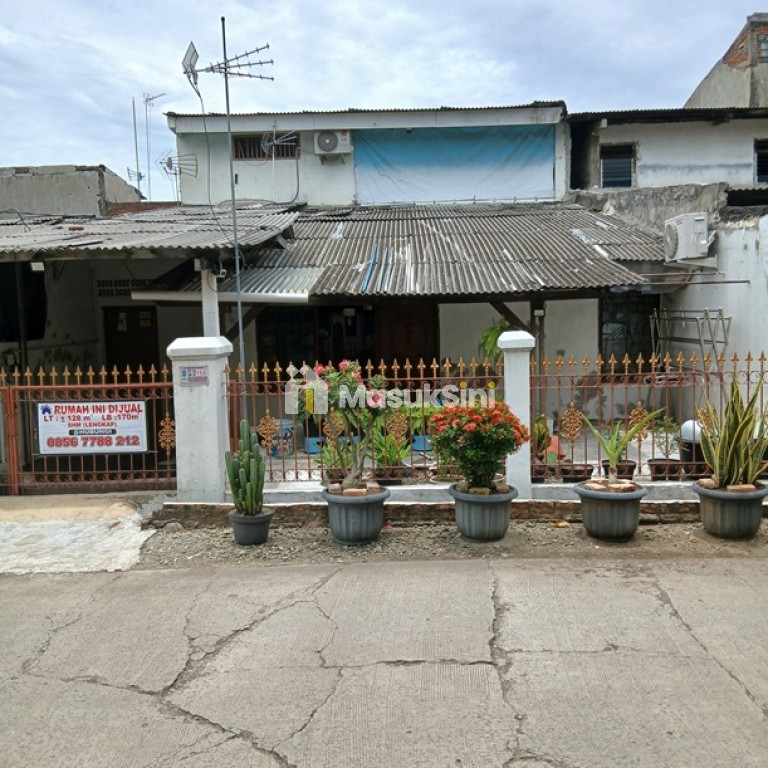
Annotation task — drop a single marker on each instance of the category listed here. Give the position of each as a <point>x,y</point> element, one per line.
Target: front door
<point>407,331</point>
<point>130,336</point>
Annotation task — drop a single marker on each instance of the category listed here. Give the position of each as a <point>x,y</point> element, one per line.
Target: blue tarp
<point>514,162</point>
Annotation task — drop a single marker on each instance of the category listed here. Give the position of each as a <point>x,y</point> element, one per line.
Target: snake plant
<point>245,471</point>
<point>734,446</point>
<point>617,440</point>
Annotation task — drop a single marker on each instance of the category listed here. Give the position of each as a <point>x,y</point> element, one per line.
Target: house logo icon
<point>305,385</point>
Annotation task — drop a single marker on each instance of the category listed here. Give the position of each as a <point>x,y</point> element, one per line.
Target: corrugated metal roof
<point>358,111</point>
<point>462,250</point>
<point>289,284</point>
<point>671,115</point>
<point>169,232</point>
<point>447,251</point>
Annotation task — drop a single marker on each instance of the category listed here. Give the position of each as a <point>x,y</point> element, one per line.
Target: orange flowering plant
<point>476,438</point>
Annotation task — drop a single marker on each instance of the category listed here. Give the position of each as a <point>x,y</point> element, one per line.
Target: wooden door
<point>407,331</point>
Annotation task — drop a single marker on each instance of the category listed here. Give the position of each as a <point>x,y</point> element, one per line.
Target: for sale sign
<point>76,427</point>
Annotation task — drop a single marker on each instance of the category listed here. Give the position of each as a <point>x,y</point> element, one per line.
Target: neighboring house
<point>65,190</point>
<point>674,171</point>
<point>57,322</point>
<point>740,78</point>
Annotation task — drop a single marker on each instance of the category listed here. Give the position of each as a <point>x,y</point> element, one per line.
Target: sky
<point>70,71</point>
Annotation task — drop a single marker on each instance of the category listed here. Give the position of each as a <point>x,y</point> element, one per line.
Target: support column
<point>210,296</point>
<point>202,426</point>
<point>517,346</point>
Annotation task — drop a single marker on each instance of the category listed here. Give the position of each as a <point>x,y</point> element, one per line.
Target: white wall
<point>684,153</point>
<point>462,325</point>
<point>571,328</point>
<point>742,261</point>
<point>308,178</point>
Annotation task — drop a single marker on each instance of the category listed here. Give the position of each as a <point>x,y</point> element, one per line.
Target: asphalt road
<point>567,664</point>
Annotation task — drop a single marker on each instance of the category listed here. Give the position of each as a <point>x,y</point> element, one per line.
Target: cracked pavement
<point>485,663</point>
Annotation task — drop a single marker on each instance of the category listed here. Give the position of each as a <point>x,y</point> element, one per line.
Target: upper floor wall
<point>669,147</point>
<point>399,156</point>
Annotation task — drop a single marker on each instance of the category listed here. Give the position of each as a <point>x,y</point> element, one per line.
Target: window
<point>617,165</point>
<point>762,47</point>
<point>761,161</point>
<point>265,146</point>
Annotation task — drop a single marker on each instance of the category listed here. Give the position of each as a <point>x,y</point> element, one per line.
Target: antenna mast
<point>147,122</point>
<point>237,66</point>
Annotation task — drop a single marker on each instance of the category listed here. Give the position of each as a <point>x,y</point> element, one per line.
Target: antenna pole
<point>232,199</point>
<point>136,148</point>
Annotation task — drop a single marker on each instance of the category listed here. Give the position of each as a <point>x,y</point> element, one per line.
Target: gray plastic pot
<point>730,514</point>
<point>482,518</point>
<point>356,519</point>
<point>250,529</point>
<point>610,516</point>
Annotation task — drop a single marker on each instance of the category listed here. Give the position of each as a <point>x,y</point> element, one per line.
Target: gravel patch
<point>174,547</point>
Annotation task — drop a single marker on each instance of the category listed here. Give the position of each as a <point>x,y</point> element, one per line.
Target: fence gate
<point>86,432</point>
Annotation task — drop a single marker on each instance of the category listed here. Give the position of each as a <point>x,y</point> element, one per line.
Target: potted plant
<point>734,447</point>
<point>390,447</point>
<point>666,440</point>
<point>610,509</point>
<point>543,460</point>
<point>356,408</point>
<point>420,426</point>
<point>476,438</point>
<point>245,472</point>
<point>334,456</point>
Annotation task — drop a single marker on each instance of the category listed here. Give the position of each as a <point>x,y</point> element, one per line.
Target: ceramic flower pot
<point>482,518</point>
<point>731,514</point>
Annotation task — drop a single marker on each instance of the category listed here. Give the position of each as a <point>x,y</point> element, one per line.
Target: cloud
<point>70,70</point>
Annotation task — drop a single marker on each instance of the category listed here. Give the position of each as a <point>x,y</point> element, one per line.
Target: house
<point>418,229</point>
<point>740,77</point>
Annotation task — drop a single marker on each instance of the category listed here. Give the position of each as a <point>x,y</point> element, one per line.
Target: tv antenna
<point>147,123</point>
<point>237,66</point>
<point>175,166</point>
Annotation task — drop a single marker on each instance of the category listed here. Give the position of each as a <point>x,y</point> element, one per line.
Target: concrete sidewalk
<point>70,532</point>
<point>436,665</point>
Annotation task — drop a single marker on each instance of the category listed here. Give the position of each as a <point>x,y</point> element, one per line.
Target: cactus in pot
<point>245,471</point>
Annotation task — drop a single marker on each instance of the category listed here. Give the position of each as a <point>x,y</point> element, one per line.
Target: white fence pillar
<point>200,406</point>
<point>517,346</point>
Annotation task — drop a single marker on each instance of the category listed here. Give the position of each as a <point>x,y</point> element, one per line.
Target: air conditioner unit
<point>687,239</point>
<point>333,142</point>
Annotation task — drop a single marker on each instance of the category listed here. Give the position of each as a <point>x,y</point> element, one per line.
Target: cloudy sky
<point>69,70</point>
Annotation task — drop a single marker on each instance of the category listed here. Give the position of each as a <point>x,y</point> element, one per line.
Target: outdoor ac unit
<point>333,142</point>
<point>687,239</point>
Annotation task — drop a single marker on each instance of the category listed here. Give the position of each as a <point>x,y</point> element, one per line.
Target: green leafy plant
<point>489,339</point>
<point>615,441</point>
<point>540,437</point>
<point>388,449</point>
<point>477,438</point>
<point>355,408</point>
<point>666,436</point>
<point>245,471</point>
<point>734,446</point>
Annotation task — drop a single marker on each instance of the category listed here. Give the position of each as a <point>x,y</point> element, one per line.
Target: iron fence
<point>87,431</point>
